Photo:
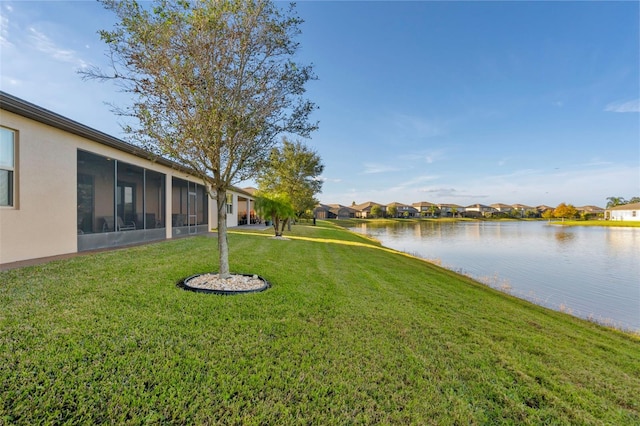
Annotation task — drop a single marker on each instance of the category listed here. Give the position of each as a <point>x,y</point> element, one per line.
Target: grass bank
<point>349,333</point>
<point>611,223</point>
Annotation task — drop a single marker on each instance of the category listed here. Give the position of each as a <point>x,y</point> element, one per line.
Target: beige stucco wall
<point>232,218</point>
<point>43,221</point>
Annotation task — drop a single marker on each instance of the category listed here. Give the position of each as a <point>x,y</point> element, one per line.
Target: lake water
<point>591,272</point>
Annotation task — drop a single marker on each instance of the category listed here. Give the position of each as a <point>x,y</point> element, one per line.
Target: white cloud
<point>579,184</point>
<point>428,157</point>
<point>624,106</point>
<point>326,179</point>
<point>44,44</point>
<point>4,31</point>
<point>372,168</point>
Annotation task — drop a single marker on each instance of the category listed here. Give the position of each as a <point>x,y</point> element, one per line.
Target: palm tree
<point>615,201</point>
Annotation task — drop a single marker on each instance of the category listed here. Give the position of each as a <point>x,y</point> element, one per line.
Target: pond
<point>591,272</point>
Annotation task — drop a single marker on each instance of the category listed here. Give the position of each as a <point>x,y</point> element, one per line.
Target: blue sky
<point>447,102</point>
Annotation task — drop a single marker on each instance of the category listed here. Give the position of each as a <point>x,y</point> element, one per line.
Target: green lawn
<point>349,333</point>
<point>614,223</point>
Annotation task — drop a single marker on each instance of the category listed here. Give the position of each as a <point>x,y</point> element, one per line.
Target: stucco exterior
<point>627,212</point>
<point>44,220</point>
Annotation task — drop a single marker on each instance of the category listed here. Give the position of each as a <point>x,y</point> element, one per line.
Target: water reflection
<point>591,272</point>
<point>564,237</point>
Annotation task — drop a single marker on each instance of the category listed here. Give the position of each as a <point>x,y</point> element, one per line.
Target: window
<point>7,166</point>
<point>229,203</point>
<point>109,189</point>
<point>96,175</point>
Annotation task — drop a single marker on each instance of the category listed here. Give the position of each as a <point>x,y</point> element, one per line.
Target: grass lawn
<point>614,223</point>
<point>349,333</point>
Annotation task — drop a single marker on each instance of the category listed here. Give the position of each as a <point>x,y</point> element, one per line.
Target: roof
<point>590,209</point>
<point>423,204</point>
<point>365,206</point>
<point>522,207</point>
<point>632,206</point>
<point>42,115</point>
<point>26,109</point>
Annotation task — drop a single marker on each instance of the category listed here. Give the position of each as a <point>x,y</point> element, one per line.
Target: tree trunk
<point>223,243</point>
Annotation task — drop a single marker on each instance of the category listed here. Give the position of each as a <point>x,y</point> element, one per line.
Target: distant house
<point>590,211</point>
<point>626,212</point>
<point>333,211</point>
<point>403,210</point>
<point>478,210</point>
<point>426,208</point>
<point>364,210</point>
<point>502,208</point>
<point>450,210</point>
<point>524,210</point>
<point>543,208</point>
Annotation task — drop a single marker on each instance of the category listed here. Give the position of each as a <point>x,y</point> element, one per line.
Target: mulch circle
<point>219,286</point>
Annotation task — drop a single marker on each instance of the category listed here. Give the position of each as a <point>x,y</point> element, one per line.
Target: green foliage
<point>392,211</point>
<point>293,169</point>
<point>214,82</point>
<point>278,207</point>
<point>376,211</point>
<point>619,201</point>
<point>348,334</point>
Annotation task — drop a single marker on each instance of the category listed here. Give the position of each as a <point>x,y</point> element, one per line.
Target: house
<point>364,210</point>
<point>524,210</point>
<point>66,188</point>
<point>589,212</point>
<point>450,210</point>
<point>501,208</point>
<point>478,210</point>
<point>403,210</point>
<point>626,212</point>
<point>543,208</point>
<point>333,211</point>
<point>426,208</point>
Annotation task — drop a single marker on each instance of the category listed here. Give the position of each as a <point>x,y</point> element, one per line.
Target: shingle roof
<point>632,206</point>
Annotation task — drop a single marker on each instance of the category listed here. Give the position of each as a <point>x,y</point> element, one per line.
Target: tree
<point>619,201</point>
<point>293,170</point>
<point>547,214</point>
<point>565,211</point>
<point>376,211</point>
<point>433,209</point>
<point>278,207</point>
<point>392,211</point>
<point>215,85</point>
<point>615,201</point>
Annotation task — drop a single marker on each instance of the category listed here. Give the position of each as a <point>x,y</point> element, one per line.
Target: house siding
<point>43,221</point>
<point>627,213</point>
